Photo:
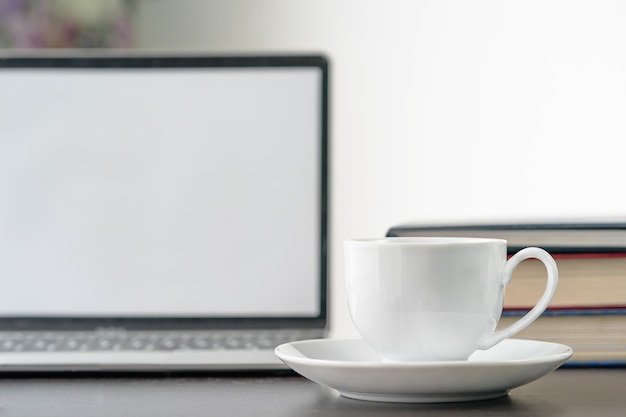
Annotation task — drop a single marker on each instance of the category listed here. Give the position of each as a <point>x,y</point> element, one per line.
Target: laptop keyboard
<point>142,341</point>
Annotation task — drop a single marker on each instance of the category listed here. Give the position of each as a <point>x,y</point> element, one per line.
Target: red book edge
<point>585,255</point>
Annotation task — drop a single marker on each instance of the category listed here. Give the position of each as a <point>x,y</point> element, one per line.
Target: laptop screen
<point>143,191</point>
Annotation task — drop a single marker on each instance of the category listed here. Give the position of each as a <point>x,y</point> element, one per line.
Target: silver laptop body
<point>161,213</point>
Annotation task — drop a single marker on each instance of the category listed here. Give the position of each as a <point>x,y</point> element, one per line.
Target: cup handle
<point>540,307</point>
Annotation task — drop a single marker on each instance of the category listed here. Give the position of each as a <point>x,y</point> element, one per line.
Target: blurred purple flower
<point>45,24</point>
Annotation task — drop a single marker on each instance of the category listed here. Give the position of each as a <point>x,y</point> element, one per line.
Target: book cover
<point>565,237</point>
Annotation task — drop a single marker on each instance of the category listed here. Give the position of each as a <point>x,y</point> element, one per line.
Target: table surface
<point>566,392</point>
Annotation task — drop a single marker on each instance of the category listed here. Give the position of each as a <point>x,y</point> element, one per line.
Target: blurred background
<point>441,110</point>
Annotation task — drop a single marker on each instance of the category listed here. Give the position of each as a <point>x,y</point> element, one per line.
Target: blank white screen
<point>179,192</point>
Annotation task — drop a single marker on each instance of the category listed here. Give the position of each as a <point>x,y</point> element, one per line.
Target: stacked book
<point>588,311</point>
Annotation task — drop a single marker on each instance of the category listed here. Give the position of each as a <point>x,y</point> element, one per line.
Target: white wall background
<point>442,110</point>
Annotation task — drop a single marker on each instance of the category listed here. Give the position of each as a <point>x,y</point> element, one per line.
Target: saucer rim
<point>564,355</point>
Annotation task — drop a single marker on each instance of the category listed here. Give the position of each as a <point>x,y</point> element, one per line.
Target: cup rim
<point>425,240</point>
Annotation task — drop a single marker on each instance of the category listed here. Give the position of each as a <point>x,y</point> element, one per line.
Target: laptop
<point>161,213</point>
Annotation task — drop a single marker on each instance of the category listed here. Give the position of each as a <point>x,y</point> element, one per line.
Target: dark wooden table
<point>566,392</point>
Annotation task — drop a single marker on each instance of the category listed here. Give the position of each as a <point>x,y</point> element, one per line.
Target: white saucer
<point>356,370</point>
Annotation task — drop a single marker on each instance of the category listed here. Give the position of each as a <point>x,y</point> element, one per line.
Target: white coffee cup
<point>435,298</point>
